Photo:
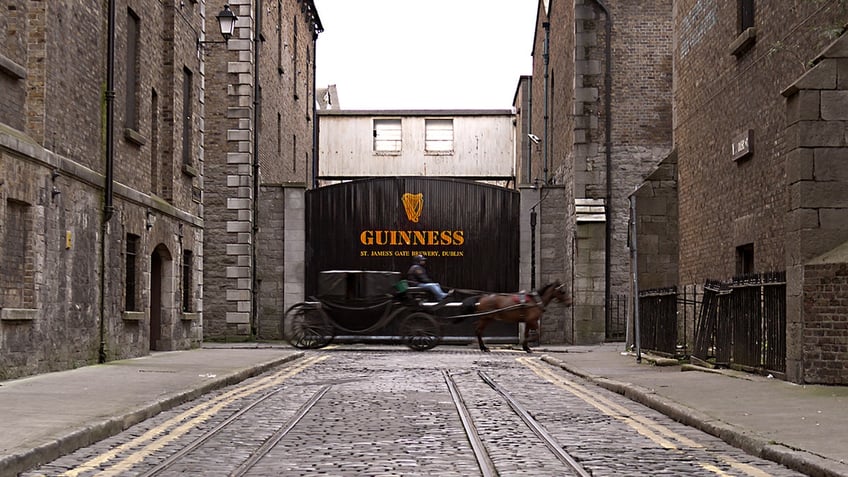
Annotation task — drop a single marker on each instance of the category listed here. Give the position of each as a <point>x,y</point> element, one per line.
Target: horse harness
<point>522,298</point>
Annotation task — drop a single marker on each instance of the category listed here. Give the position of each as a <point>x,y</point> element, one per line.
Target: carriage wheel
<point>420,331</point>
<point>309,326</point>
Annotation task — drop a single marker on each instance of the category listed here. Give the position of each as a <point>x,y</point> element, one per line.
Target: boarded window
<point>188,80</point>
<point>387,135</point>
<point>131,274</point>
<point>133,27</point>
<point>438,135</point>
<point>746,14</point>
<point>187,282</point>
<point>17,269</point>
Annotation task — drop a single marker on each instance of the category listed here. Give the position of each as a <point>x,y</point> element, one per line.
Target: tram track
<point>122,458</point>
<point>258,453</point>
<point>481,453</point>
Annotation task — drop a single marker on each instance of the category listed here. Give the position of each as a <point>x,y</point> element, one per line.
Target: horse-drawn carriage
<point>360,303</point>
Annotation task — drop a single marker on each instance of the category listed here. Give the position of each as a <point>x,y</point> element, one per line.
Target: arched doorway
<point>161,295</point>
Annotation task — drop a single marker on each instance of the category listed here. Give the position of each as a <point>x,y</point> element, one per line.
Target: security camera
<point>534,138</point>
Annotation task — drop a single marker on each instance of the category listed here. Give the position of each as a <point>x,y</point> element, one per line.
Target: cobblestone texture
<point>390,413</point>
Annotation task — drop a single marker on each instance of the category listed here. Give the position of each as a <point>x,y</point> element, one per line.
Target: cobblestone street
<point>338,412</point>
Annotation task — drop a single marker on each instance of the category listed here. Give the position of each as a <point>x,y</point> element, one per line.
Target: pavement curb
<point>13,464</point>
<point>753,444</point>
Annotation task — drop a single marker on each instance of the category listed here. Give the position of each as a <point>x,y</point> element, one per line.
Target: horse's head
<point>559,294</point>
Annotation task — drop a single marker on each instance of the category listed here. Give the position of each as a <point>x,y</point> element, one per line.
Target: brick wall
<point>817,218</point>
<point>13,64</point>
<point>825,348</point>
<point>727,203</point>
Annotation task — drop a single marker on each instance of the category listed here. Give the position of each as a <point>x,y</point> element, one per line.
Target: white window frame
<point>388,135</point>
<point>438,136</point>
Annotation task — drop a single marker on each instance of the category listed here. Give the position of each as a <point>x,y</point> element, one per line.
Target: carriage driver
<point>417,277</point>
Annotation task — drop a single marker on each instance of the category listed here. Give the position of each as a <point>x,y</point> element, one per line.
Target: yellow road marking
<point>640,424</point>
<point>203,409</point>
<point>714,469</point>
<point>604,407</point>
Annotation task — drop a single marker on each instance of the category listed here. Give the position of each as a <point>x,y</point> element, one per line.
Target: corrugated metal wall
<point>471,230</point>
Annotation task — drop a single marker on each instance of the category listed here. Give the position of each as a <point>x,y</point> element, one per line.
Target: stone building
<point>259,136</point>
<point>101,162</point>
<point>596,121</point>
<point>761,104</point>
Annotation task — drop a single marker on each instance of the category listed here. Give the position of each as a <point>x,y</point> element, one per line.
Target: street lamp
<point>227,24</point>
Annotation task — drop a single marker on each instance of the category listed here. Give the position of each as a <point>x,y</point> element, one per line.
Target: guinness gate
<point>468,231</point>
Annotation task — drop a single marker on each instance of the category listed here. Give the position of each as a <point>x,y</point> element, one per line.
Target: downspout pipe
<point>546,57</point>
<point>315,119</point>
<point>608,158</point>
<point>529,179</point>
<point>257,117</point>
<point>110,154</point>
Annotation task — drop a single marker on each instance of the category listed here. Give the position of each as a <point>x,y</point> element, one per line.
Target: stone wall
<point>282,245</point>
<point>584,147</point>
<point>656,227</point>
<point>239,306</point>
<point>63,302</point>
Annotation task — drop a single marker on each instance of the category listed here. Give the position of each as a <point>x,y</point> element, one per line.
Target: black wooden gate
<point>468,230</point>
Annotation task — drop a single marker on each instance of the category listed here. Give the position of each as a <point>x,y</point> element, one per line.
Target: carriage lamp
<point>227,24</point>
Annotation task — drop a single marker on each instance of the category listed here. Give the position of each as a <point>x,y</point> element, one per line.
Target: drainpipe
<point>315,123</point>
<point>608,154</point>
<point>110,153</point>
<point>530,129</point>
<point>257,117</point>
<point>635,260</point>
<point>546,56</point>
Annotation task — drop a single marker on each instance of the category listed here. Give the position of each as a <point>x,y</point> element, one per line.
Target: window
<point>187,268</point>
<point>746,14</point>
<point>745,25</point>
<point>130,288</point>
<point>17,269</point>
<point>295,70</point>
<point>387,135</point>
<point>438,135</point>
<point>745,259</point>
<point>133,24</point>
<point>187,115</point>
<point>280,36</point>
<point>154,142</point>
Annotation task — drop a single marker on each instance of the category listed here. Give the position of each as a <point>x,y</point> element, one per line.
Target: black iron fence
<point>616,326</point>
<point>667,317</point>
<point>743,323</point>
<point>658,320</point>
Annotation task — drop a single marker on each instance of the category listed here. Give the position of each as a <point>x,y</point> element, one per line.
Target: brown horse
<point>514,309</point>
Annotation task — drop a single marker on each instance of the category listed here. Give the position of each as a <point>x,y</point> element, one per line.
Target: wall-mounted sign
<point>743,145</point>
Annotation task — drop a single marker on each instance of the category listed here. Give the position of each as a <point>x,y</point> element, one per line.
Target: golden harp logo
<point>413,204</point>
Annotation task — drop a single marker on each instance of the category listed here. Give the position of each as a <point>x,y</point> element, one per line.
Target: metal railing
<point>743,323</point>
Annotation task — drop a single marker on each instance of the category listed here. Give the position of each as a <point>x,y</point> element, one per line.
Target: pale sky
<point>425,54</point>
